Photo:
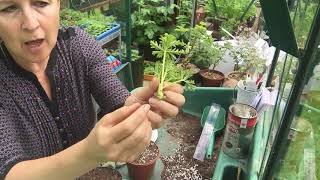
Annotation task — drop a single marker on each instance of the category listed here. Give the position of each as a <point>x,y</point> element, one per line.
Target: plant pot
<point>200,14</point>
<point>148,77</point>
<point>233,78</point>
<point>147,52</point>
<point>236,75</point>
<point>244,95</point>
<point>211,79</point>
<point>214,23</point>
<point>137,72</point>
<point>143,167</point>
<point>101,173</point>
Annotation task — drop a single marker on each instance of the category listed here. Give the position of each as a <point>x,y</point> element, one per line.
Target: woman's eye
<point>9,9</point>
<point>41,3</point>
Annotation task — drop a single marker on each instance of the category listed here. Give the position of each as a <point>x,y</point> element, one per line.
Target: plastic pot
<point>143,171</point>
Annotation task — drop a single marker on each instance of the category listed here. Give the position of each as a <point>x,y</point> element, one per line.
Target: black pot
<point>137,72</point>
<point>147,52</point>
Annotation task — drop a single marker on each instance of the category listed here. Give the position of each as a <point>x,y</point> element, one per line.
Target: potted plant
<point>142,168</point>
<point>247,60</point>
<point>205,54</point>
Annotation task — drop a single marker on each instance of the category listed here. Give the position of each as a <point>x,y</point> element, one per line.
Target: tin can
<point>241,122</point>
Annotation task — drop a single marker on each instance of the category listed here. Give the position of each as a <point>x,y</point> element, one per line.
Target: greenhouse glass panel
<point>302,159</point>
<point>302,13</point>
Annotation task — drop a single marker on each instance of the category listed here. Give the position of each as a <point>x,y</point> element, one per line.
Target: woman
<point>47,77</point>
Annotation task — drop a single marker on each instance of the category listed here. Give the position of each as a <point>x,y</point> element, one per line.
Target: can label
<point>231,140</point>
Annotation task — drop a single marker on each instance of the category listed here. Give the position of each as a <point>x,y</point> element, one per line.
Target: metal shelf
<point>111,34</point>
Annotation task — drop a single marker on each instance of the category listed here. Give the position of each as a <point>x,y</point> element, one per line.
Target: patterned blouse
<point>33,126</point>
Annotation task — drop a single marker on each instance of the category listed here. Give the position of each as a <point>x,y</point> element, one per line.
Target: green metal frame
<point>279,149</point>
<point>280,29</point>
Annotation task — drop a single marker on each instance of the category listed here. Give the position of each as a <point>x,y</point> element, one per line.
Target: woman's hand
<point>121,135</point>
<point>160,109</point>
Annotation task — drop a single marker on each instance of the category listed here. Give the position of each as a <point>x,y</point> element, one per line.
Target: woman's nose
<point>30,21</point>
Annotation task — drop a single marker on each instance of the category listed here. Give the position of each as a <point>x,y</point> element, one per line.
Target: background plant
<point>95,23</point>
<point>246,56</point>
<point>231,11</point>
<point>185,13</point>
<point>203,52</point>
<point>150,19</point>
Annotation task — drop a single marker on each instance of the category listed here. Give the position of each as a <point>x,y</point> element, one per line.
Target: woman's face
<point>29,28</point>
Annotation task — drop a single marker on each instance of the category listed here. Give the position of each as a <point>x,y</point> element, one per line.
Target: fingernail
<point>152,101</point>
<point>146,107</point>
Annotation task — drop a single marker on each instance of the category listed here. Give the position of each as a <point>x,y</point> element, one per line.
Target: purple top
<point>32,126</point>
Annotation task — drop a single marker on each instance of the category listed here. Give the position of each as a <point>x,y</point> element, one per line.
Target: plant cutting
<point>167,70</point>
<point>142,168</point>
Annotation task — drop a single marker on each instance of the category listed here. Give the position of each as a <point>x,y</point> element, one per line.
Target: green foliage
<point>204,52</point>
<point>149,19</point>
<point>185,13</point>
<point>303,21</point>
<point>246,56</point>
<point>94,24</point>
<point>231,10</point>
<point>167,70</point>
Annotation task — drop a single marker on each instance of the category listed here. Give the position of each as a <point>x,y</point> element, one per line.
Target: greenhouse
<point>160,89</point>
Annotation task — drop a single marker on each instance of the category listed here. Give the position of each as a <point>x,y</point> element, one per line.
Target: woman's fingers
<point>173,87</point>
<point>164,107</point>
<point>126,127</point>
<point>118,115</point>
<point>155,118</point>
<point>137,142</point>
<point>174,98</point>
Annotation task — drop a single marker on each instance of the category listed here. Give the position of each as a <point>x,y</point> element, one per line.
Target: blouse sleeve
<point>105,86</point>
<point>12,149</point>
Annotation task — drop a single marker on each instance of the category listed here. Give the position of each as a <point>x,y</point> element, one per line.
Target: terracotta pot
<point>236,73</point>
<point>143,171</point>
<point>209,82</point>
<point>148,77</point>
<point>200,14</point>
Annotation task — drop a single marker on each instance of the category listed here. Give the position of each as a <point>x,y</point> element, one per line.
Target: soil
<point>101,173</point>
<point>181,165</point>
<point>191,66</point>
<point>148,155</point>
<point>236,76</point>
<point>212,75</point>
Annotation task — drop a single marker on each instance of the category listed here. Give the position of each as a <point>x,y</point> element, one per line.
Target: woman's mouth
<point>34,45</point>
